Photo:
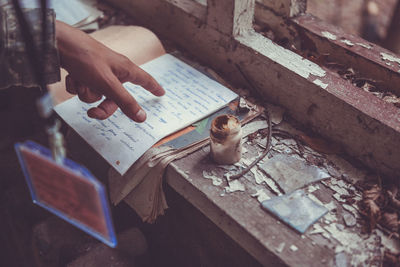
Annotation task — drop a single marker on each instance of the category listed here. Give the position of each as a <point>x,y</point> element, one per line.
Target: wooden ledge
<point>242,218</point>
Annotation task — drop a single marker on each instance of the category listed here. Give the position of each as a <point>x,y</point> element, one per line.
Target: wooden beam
<point>257,231</point>
<point>369,60</point>
<point>285,8</point>
<point>367,127</point>
<point>230,17</point>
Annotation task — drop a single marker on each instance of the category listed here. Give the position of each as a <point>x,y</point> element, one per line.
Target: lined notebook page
<point>190,96</point>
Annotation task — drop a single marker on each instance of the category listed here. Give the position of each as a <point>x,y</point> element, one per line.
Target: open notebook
<point>190,96</point>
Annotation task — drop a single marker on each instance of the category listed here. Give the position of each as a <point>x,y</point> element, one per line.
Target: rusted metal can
<point>226,139</point>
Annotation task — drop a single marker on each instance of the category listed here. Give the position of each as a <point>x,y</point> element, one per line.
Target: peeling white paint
<point>389,57</point>
<point>330,206</point>
<point>317,229</point>
<point>351,209</point>
<point>339,249</point>
<point>320,83</point>
<point>212,176</point>
<point>326,235</point>
<point>280,248</point>
<point>341,183</point>
<point>347,42</point>
<point>338,198</point>
<point>234,186</point>
<point>313,188</point>
<point>261,195</point>
<point>329,35</point>
<point>280,55</point>
<point>294,248</point>
<point>258,176</point>
<point>314,198</point>
<point>367,46</point>
<point>339,190</point>
<point>331,217</point>
<point>348,239</point>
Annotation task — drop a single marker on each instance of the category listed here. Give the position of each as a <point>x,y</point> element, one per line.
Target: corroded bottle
<point>226,139</point>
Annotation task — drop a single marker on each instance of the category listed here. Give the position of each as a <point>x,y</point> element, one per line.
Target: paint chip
<point>280,248</point>
<point>347,42</point>
<point>234,186</point>
<point>329,35</point>
<point>320,83</point>
<point>294,248</point>
<point>212,176</point>
<point>317,229</point>
<point>261,195</point>
<point>313,188</point>
<point>389,57</point>
<point>367,46</point>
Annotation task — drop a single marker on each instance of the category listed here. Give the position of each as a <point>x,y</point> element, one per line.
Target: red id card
<point>68,190</point>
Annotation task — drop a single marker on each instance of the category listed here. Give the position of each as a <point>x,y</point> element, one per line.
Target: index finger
<point>114,90</point>
<point>140,77</point>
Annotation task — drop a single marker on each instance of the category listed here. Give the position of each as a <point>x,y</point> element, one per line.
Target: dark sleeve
<point>15,68</point>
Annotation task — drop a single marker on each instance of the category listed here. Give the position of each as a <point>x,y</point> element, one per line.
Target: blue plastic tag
<point>68,190</point>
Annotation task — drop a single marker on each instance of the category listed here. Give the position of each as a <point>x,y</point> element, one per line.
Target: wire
<point>267,148</point>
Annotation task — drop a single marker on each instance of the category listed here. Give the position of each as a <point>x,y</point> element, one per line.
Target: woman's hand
<point>95,70</point>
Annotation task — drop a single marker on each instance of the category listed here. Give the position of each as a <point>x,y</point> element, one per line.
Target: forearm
<point>73,45</point>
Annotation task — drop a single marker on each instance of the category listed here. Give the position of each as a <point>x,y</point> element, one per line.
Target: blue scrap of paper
<point>295,209</point>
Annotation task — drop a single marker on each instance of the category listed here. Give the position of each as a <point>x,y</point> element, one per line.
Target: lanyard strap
<point>44,104</point>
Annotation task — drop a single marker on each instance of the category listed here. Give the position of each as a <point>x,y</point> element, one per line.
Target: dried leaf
<point>373,213</point>
<point>390,221</point>
<point>395,203</point>
<point>348,74</point>
<point>252,136</point>
<point>391,259</point>
<point>373,193</point>
<point>369,206</point>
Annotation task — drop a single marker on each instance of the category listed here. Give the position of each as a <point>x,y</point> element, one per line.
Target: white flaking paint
<point>294,248</point>
<point>329,35</point>
<point>258,176</point>
<point>367,46</point>
<point>389,57</point>
<point>317,229</point>
<point>338,198</point>
<point>212,176</point>
<point>347,42</point>
<point>313,188</point>
<point>339,249</point>
<point>261,195</point>
<point>339,190</point>
<point>314,198</point>
<point>280,248</point>
<point>234,186</point>
<point>320,83</point>
<point>330,206</point>
<point>280,55</point>
<point>326,235</point>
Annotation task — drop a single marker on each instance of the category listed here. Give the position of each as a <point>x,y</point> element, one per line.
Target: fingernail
<point>159,90</point>
<point>141,115</point>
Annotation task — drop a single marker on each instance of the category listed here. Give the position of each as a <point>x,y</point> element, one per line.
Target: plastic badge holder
<point>67,190</point>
